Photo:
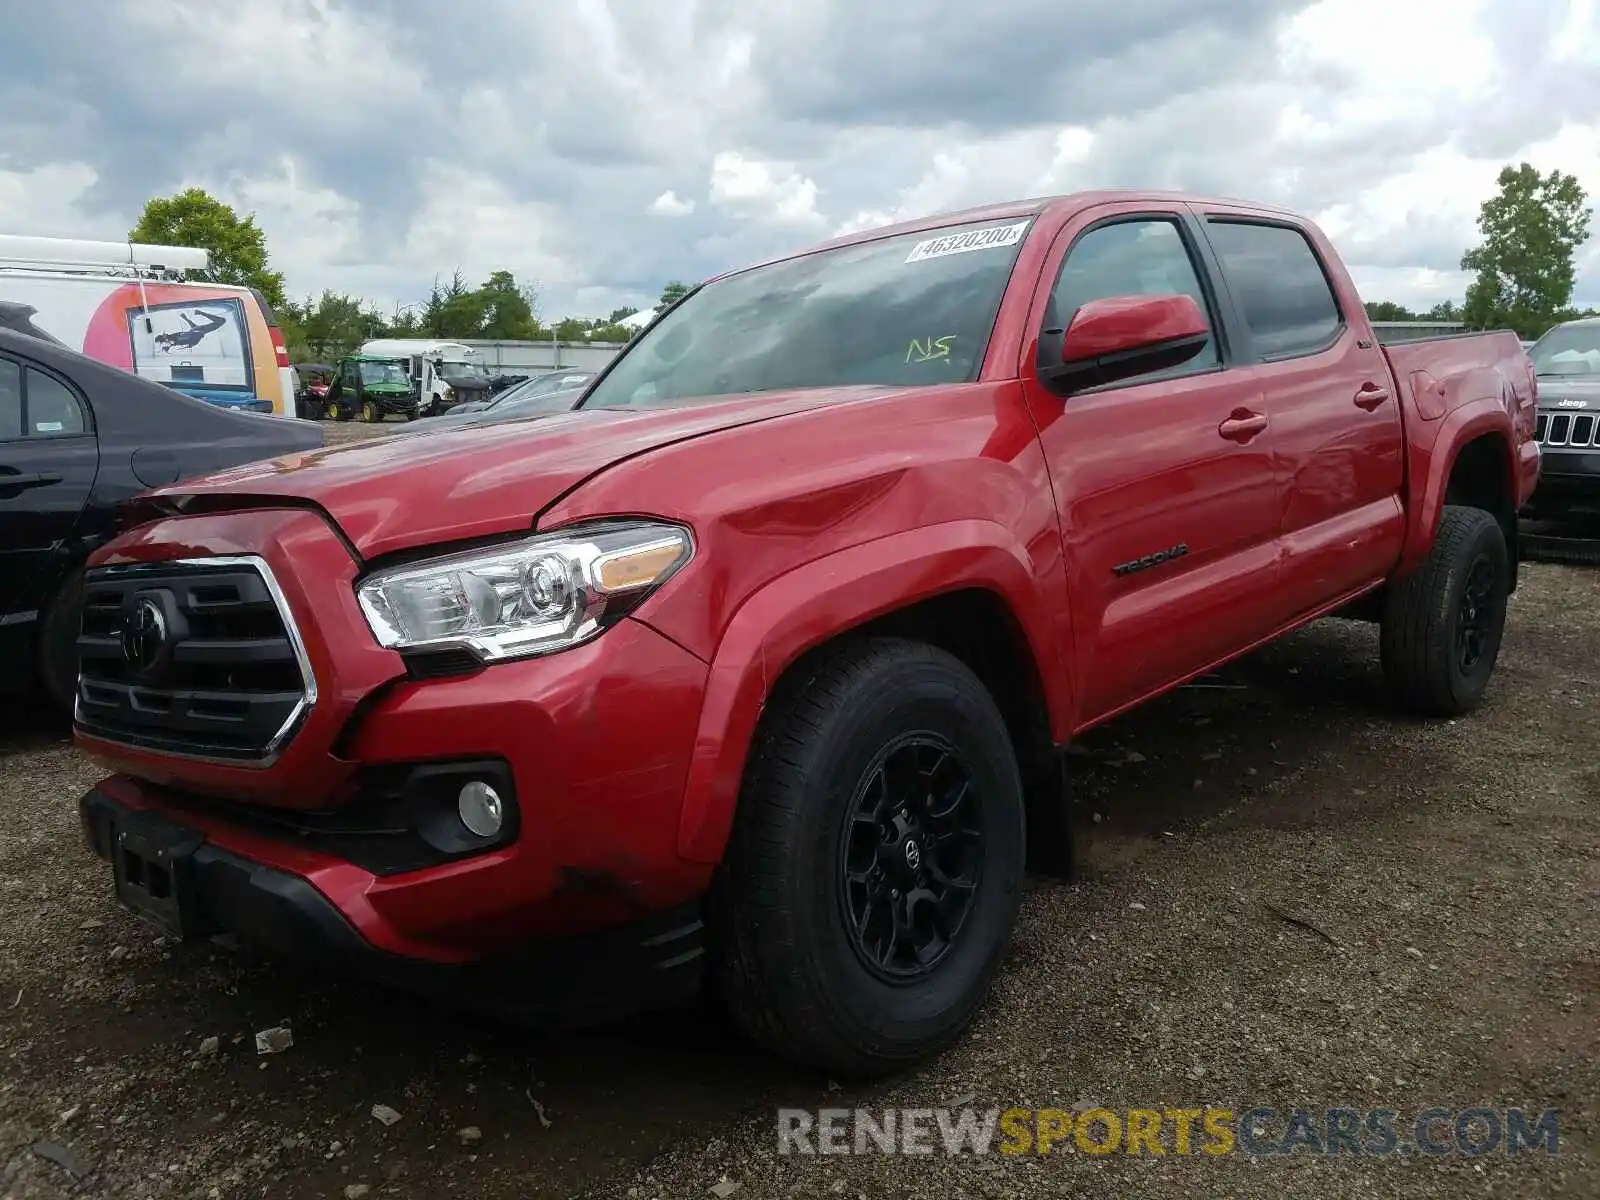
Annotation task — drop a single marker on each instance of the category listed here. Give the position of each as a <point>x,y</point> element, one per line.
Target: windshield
<point>466,372</point>
<point>912,309</point>
<point>1568,350</point>
<point>376,373</point>
<point>526,405</point>
<point>543,385</point>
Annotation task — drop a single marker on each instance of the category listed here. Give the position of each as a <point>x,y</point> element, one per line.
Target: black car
<point>1567,362</point>
<point>77,438</point>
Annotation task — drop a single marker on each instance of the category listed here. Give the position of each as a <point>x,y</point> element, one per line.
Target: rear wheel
<point>58,644</point>
<point>1443,624</point>
<point>875,867</point>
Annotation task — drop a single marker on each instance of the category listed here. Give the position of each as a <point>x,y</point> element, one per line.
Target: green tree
<point>406,322</point>
<point>1388,310</point>
<point>328,328</point>
<point>453,310</point>
<point>500,308</point>
<point>671,294</point>
<point>573,329</point>
<point>591,329</point>
<point>1445,310</point>
<point>1531,230</point>
<point>196,218</point>
<point>508,309</point>
<point>618,315</point>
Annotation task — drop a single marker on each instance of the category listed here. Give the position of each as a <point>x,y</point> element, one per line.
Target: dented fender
<point>826,597</point>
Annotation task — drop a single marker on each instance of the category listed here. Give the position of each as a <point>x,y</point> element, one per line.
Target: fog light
<point>480,809</point>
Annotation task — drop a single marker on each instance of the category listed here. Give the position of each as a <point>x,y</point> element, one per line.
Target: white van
<point>127,305</point>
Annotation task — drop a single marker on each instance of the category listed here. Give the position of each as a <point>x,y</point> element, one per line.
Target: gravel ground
<point>1446,876</point>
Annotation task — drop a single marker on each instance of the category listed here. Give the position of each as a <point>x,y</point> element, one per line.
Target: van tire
<point>1443,624</point>
<point>845,735</point>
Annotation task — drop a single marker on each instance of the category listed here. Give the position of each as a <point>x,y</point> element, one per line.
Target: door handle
<point>1242,425</point>
<point>21,483</point>
<point>1370,396</point>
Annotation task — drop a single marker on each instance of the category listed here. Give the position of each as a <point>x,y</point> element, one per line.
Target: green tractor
<point>371,389</point>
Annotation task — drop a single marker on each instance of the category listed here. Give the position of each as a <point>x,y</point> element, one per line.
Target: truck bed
<point>1441,374</point>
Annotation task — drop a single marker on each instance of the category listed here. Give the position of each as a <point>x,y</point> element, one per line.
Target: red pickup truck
<point>755,670</point>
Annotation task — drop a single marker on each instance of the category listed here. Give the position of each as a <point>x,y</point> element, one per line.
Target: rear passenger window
<point>1144,257</point>
<point>1281,289</point>
<point>52,410</point>
<point>10,399</point>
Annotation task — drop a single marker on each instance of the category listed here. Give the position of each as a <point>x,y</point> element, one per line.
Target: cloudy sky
<point>604,147</point>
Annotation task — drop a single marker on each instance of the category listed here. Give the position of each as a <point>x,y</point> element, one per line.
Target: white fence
<point>1410,331</point>
<point>529,358</point>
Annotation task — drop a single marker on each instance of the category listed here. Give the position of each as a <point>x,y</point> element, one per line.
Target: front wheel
<point>875,867</point>
<point>1443,624</point>
<point>370,413</point>
<point>58,644</point>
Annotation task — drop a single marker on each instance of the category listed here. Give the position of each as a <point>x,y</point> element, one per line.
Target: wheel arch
<point>967,587</point>
<point>1472,464</point>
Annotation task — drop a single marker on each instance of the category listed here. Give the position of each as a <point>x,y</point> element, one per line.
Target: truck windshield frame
<point>907,310</point>
<point>456,369</point>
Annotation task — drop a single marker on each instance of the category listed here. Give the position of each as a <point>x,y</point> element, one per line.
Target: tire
<point>1583,552</point>
<point>791,973</point>
<point>1422,642</point>
<point>370,414</point>
<point>58,644</point>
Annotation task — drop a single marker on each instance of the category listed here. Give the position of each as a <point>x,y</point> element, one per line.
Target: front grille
<point>1577,431</point>
<point>197,657</point>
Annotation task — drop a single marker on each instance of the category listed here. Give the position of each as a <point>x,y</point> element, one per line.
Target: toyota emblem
<point>144,635</point>
<point>913,854</point>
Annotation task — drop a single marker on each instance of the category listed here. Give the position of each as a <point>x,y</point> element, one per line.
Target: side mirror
<point>1121,337</point>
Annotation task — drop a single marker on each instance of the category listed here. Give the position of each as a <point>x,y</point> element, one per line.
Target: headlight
<point>531,597</point>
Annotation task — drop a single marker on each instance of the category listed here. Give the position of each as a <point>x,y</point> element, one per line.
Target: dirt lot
<point>1448,876</point>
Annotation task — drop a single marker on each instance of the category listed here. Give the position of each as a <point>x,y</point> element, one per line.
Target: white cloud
<point>378,153</point>
<point>471,222</point>
<point>46,201</point>
<point>768,191</point>
<point>669,205</point>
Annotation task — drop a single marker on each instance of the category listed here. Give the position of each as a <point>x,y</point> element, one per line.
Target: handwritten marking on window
<point>929,351</point>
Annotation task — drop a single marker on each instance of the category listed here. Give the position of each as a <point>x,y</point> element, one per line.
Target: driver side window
<point>1142,257</point>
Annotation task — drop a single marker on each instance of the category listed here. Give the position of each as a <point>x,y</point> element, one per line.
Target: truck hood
<point>398,493</point>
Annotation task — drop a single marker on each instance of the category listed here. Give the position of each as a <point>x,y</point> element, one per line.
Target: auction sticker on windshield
<point>991,238</point>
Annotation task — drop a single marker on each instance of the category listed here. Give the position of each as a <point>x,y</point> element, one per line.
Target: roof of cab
<point>1058,205</point>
